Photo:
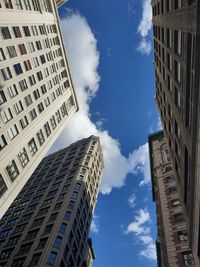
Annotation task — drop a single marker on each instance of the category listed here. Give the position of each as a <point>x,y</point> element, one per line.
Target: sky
<point>109,49</point>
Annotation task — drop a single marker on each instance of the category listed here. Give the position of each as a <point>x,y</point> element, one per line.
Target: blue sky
<point>108,45</point>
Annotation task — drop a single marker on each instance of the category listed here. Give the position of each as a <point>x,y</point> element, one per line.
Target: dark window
<point>35,259</point>
<point>26,31</point>
<point>58,242</point>
<point>32,146</point>
<point>42,243</point>
<point>5,33</point>
<point>17,32</point>
<point>18,69</point>
<point>63,228</point>
<point>52,258</point>
<point>12,170</point>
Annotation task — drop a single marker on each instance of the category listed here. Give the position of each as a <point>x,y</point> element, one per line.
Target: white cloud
<point>145,23</point>
<point>94,228</point>
<point>144,28</point>
<point>144,47</point>
<point>132,200</point>
<point>83,58</point>
<point>141,229</point>
<point>138,225</point>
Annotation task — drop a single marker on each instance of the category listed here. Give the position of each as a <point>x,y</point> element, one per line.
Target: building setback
<point>36,91</point>
<point>49,221</point>
<point>176,28</point>
<point>172,240</point>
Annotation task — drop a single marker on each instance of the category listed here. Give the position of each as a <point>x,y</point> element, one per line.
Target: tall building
<point>176,28</point>
<point>36,91</point>
<point>49,221</point>
<point>172,241</point>
<point>60,2</point>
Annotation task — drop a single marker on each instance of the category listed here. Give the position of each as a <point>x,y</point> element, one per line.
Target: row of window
<point>33,5</point>
<point>163,6</point>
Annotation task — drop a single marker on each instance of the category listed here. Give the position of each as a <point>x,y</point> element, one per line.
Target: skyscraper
<point>49,221</point>
<point>36,91</point>
<point>176,27</point>
<point>172,240</point>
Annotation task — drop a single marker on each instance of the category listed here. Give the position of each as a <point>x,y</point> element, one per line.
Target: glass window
<point>47,129</point>
<point>58,242</point>
<point>27,65</point>
<point>33,114</point>
<point>63,228</point>
<point>35,62</point>
<point>6,73</point>
<point>22,49</point>
<point>175,202</point>
<point>35,259</point>
<point>183,235</point>
<point>18,69</point>
<point>6,115</point>
<point>23,157</point>
<point>42,243</point>
<point>52,258</point>
<point>13,131</point>
<point>12,51</point>
<point>40,107</point>
<point>17,32</point>
<point>3,142</point>
<point>5,33</point>
<point>24,122</point>
<point>71,204</point>
<point>2,97</point>
<point>40,137</point>
<point>67,215</point>
<point>32,146</point>
<point>18,107</point>
<point>32,80</point>
<point>74,195</point>
<point>31,47</point>
<point>3,187</point>
<point>188,258</point>
<point>23,85</point>
<point>12,170</point>
<point>13,90</point>
<point>26,31</point>
<point>28,100</point>
<point>2,56</point>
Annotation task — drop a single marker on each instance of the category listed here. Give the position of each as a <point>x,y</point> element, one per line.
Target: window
<point>28,100</point>
<point>6,115</point>
<point>40,107</point>
<point>36,94</point>
<point>35,62</point>
<point>2,97</point>
<point>18,262</point>
<point>6,73</point>
<point>17,32</point>
<point>40,137</point>
<point>13,131</point>
<point>34,30</point>
<point>3,143</point>
<point>74,195</point>
<point>177,67</point>
<point>170,179</point>
<point>172,189</point>
<point>48,229</point>
<point>47,129</point>
<point>26,31</point>
<point>52,258</point>
<point>47,101</point>
<point>5,33</point>
<point>58,242</point>
<point>63,228</point>
<point>23,157</point>
<point>5,233</point>
<point>71,204</point>
<point>22,49</point>
<point>38,45</point>
<point>12,51</point>
<point>78,186</point>
<point>183,235</point>
<point>18,4</point>
<point>31,47</point>
<point>32,147</point>
<point>177,98</point>
<point>2,56</point>
<point>33,114</point>
<point>12,170</point>
<point>178,42</point>
<point>5,254</point>
<point>32,80</point>
<point>42,59</point>
<point>188,258</point>
<point>27,65</point>
<point>24,122</point>
<point>43,89</point>
<point>39,75</point>
<point>178,218</point>
<point>18,69</point>
<point>18,107</point>
<point>3,186</point>
<point>25,248</point>
<point>67,215</point>
<point>23,85</point>
<point>53,122</point>
<point>13,90</point>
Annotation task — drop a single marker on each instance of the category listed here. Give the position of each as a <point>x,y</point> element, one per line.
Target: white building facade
<point>36,91</point>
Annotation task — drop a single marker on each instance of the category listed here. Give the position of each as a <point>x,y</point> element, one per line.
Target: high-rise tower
<point>49,221</point>
<point>176,28</point>
<point>36,91</point>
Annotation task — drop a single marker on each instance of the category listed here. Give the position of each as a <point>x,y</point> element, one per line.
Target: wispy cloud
<point>94,228</point>
<point>84,57</point>
<point>132,200</point>
<point>144,28</point>
<point>141,229</point>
